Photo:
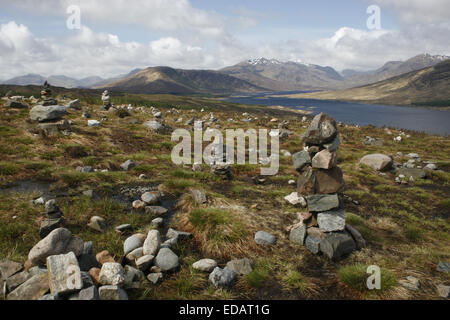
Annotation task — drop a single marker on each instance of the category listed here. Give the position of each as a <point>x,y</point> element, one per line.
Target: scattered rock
<point>359,240</point>
<point>98,224</point>
<point>93,123</point>
<point>112,273</point>
<point>127,165</point>
<point>443,266</point>
<point>46,113</point>
<point>166,260</point>
<point>415,173</point>
<point>155,277</point>
<point>90,293</point>
<point>264,238</point>
<point>410,283</point>
<point>443,291</point>
<point>198,196</point>
<point>111,292</point>
<point>152,243</point>
<point>241,266</point>
<point>9,268</point>
<point>379,162</point>
<point>131,243</point>
<point>104,257</point>
<point>152,197</point>
<point>206,265</point>
<point>295,199</point>
<point>222,278</point>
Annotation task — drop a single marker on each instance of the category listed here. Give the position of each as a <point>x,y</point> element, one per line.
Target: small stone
<point>155,210</point>
<point>144,262</point>
<point>359,240</point>
<point>131,243</point>
<point>104,257</point>
<point>222,278</point>
<point>443,266</point>
<point>127,165</point>
<point>264,238</point>
<point>98,224</point>
<point>50,296</point>
<point>312,243</point>
<point>295,199</point>
<point>155,277</point>
<point>431,166</point>
<point>93,123</point>
<point>158,222</point>
<point>112,273</point>
<point>152,197</point>
<point>123,228</point>
<point>9,268</point>
<point>152,243</point>
<point>135,254</point>
<point>410,283</point>
<point>443,291</point>
<point>133,277</point>
<point>95,274</point>
<point>241,266</point>
<point>206,265</point>
<point>111,292</point>
<point>301,159</point>
<point>198,196</point>
<point>297,233</point>
<point>16,280</point>
<point>138,205</point>
<point>166,260</point>
<point>90,293</point>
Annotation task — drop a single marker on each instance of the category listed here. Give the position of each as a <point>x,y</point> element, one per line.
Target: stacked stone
<point>321,181</point>
<point>106,100</point>
<point>52,218</point>
<point>49,114</point>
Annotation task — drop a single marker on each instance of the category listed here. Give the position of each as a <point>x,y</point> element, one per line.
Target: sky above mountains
<point>116,36</point>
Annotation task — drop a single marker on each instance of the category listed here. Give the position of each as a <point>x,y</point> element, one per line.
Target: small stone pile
<point>323,228</point>
<point>49,114</point>
<point>106,100</point>
<point>52,218</point>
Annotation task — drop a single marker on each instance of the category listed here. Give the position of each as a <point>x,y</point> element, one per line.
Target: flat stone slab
<point>64,273</point>
<point>323,202</point>
<point>8,268</point>
<point>32,289</point>
<point>331,220</point>
<point>337,244</point>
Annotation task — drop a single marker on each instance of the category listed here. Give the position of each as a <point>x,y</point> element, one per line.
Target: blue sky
<point>119,35</point>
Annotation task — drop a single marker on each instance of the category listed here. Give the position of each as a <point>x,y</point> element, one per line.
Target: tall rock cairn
<point>321,182</point>
<point>106,99</point>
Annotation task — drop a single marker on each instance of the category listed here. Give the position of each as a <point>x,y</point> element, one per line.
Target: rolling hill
<point>178,81</point>
<point>429,86</point>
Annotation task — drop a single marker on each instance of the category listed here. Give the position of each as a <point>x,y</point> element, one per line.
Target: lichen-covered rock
<point>64,274</point>
<point>112,273</point>
<point>222,278</point>
<point>331,220</point>
<point>321,130</point>
<point>241,266</point>
<point>265,238</point>
<point>322,202</point>
<point>32,289</point>
<point>377,161</point>
<point>111,292</point>
<point>152,243</point>
<point>206,265</point>
<point>166,260</point>
<point>337,244</point>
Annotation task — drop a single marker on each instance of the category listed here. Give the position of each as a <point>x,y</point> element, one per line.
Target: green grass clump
<point>294,279</point>
<point>355,276</point>
<point>8,169</point>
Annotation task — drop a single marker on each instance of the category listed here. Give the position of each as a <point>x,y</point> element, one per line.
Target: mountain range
<point>428,86</point>
<point>254,75</point>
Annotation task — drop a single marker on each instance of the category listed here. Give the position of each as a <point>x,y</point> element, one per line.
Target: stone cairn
<point>49,114</point>
<point>106,100</point>
<point>323,228</point>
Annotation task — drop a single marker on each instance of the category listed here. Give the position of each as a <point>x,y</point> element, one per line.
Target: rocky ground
<point>140,227</point>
